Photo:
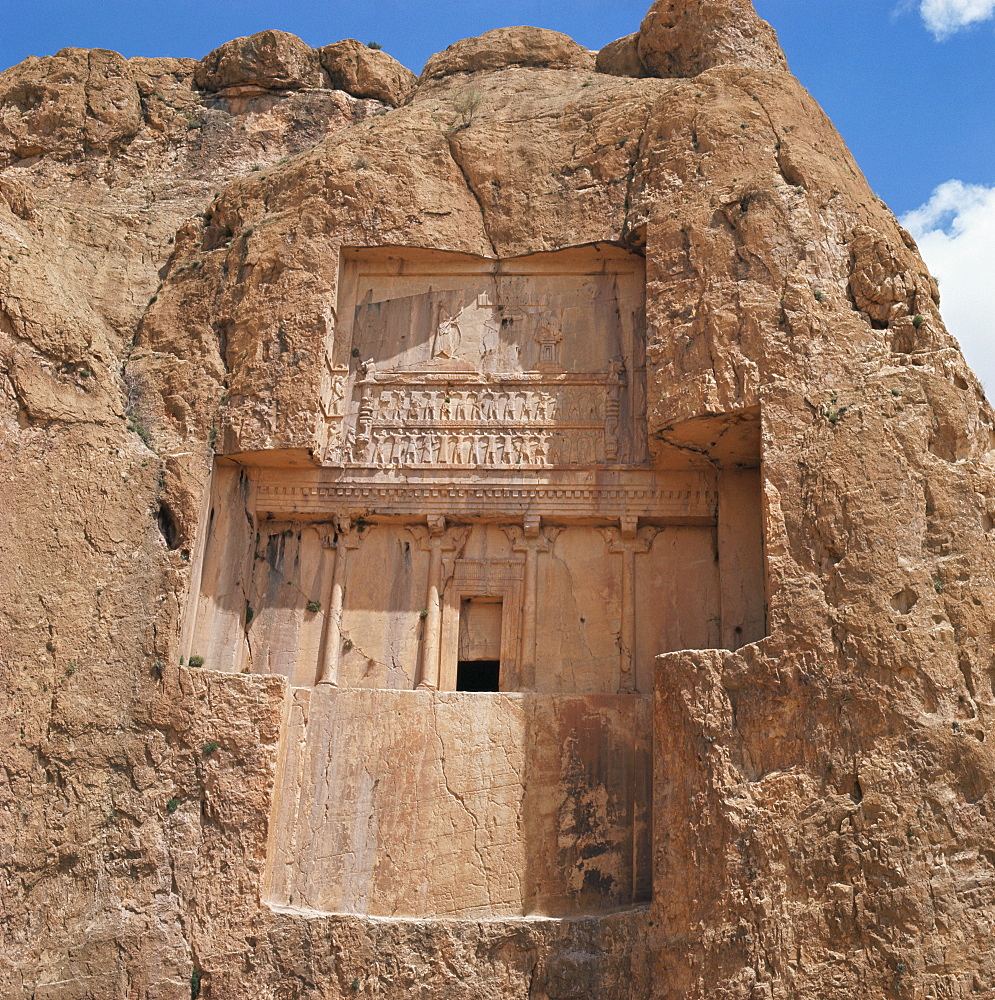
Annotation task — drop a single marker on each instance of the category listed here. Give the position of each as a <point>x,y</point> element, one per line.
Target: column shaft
<point>332,646</point>
<point>628,652</point>
<point>527,667</point>
<point>429,679</point>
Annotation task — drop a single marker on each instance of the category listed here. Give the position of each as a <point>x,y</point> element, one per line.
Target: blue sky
<point>907,83</point>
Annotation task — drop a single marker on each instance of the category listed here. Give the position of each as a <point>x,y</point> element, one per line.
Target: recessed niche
<point>484,516</point>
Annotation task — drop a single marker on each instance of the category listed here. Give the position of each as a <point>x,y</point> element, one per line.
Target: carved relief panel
<point>444,361</point>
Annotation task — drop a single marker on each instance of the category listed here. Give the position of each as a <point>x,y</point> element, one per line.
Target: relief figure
<point>446,342</point>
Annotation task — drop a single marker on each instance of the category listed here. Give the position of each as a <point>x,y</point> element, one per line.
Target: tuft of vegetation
<point>196,661</point>
<point>250,613</point>
<point>313,606</point>
<point>833,411</point>
<point>136,425</point>
<point>918,320</point>
<point>820,295</point>
<point>210,747</point>
<point>466,104</point>
<point>195,978</point>
<point>71,669</point>
<point>376,46</point>
<point>173,804</point>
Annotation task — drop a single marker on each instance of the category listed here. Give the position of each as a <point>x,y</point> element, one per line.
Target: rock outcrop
<point>177,241</point>
<point>365,72</point>
<point>269,60</point>
<point>503,47</point>
<point>678,39</point>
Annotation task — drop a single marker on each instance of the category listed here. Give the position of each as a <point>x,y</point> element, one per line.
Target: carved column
<point>627,683</point>
<point>342,538</point>
<point>629,542</point>
<point>527,656</point>
<point>532,541</point>
<point>428,675</point>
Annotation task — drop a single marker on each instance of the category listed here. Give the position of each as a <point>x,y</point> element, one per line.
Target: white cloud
<point>955,230</point>
<point>944,17</point>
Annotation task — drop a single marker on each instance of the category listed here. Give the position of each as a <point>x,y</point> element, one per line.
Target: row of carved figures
<point>397,447</point>
<point>488,405</point>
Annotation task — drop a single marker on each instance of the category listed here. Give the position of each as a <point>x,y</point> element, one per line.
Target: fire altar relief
<point>469,592</point>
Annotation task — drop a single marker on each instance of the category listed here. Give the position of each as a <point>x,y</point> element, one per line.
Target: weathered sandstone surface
<point>637,339</point>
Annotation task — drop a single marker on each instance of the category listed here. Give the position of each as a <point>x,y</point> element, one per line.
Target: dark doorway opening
<point>478,675</point>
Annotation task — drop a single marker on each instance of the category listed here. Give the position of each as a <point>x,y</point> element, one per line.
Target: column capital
<point>343,531</point>
<point>436,525</point>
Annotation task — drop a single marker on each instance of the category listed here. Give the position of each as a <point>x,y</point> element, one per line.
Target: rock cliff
<point>171,235</point>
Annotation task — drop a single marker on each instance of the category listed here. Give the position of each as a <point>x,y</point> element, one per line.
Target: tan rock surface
<point>684,39</point>
<point>503,47</point>
<point>621,57</point>
<point>821,800</point>
<point>365,72</point>
<point>271,60</point>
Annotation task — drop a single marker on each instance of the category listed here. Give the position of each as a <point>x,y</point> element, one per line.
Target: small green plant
<point>212,437</point>
<point>938,586</point>
<point>354,985</point>
<point>157,668</point>
<point>347,644</point>
<point>195,978</point>
<point>918,320</point>
<point>196,661</point>
<point>896,392</point>
<point>466,104</point>
<point>833,412</point>
<point>172,805</point>
<point>955,725</point>
<point>210,747</point>
<point>250,613</point>
<point>376,46</point>
<point>71,669</point>
<point>313,606</point>
<point>135,424</point>
<point>423,613</point>
<point>820,295</point>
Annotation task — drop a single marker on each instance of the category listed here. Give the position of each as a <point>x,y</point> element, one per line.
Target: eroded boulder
<point>621,57</point>
<point>681,38</point>
<point>271,60</point>
<point>365,72</point>
<point>520,46</point>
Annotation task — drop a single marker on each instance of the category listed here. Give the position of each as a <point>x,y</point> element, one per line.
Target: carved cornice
<point>282,496</point>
